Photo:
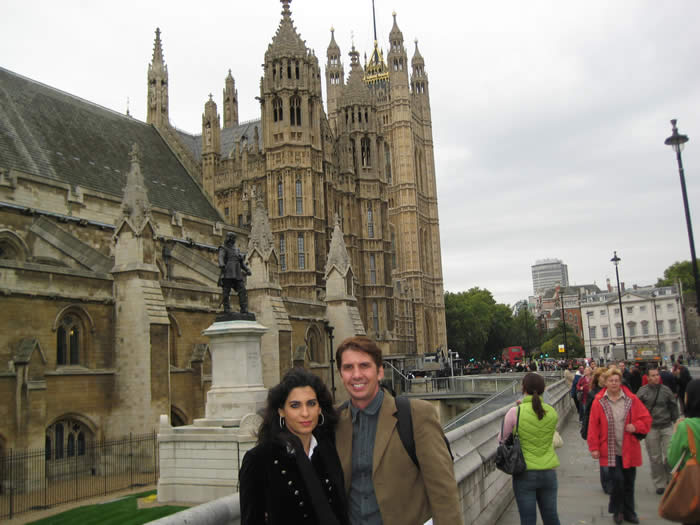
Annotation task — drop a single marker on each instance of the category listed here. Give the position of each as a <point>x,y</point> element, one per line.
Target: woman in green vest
<point>535,423</point>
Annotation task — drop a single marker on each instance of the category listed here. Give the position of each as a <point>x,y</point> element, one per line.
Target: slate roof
<point>229,136</point>
<point>46,132</point>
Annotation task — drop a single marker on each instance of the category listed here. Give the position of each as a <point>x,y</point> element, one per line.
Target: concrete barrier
<point>484,491</point>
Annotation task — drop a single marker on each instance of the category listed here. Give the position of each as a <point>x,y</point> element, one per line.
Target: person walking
<point>682,376</point>
<point>616,416</point>
<point>383,484</point>
<point>679,448</point>
<point>661,404</point>
<point>598,384</point>
<point>293,474</point>
<point>536,423</point>
<point>582,388</point>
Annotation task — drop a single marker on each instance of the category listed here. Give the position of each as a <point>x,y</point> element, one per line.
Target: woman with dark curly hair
<point>293,474</point>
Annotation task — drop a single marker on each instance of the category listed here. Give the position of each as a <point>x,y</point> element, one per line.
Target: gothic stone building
<point>109,228</point>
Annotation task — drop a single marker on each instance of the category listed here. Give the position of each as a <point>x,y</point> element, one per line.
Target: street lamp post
<point>677,141</point>
<point>563,319</point>
<point>329,331</point>
<point>616,260</point>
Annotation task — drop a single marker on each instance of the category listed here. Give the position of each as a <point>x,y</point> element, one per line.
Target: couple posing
<point>318,466</point>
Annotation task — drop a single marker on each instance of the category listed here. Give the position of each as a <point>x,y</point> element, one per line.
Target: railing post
<point>12,487</point>
<point>131,460</point>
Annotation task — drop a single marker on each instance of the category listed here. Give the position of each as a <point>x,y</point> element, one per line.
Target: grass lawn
<point>125,511</point>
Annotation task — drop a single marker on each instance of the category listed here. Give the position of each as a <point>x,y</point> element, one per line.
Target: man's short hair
<point>653,368</point>
<point>230,235</point>
<point>361,344</point>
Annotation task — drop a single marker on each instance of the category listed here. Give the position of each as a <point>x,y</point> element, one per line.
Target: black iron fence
<point>38,479</point>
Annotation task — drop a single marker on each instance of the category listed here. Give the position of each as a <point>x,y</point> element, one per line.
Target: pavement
<point>580,498</point>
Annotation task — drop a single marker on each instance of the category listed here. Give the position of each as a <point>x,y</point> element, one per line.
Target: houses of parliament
<point>109,228</point>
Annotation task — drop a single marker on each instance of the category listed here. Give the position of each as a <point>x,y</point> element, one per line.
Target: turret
<point>335,78</point>
<point>157,113</point>
<point>230,102</point>
<point>211,145</point>
<point>397,58</point>
<point>419,79</point>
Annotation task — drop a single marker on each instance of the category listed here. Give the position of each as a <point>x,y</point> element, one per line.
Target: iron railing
<point>39,479</point>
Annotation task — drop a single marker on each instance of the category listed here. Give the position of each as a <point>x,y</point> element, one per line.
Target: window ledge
<point>72,370</point>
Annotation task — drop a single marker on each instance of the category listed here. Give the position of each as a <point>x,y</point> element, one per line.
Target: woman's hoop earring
<point>281,422</point>
<point>323,420</point>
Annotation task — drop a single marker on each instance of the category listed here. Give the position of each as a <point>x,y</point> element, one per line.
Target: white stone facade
<point>653,317</point>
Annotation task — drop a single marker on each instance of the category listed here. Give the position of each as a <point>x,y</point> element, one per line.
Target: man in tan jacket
<point>384,486</point>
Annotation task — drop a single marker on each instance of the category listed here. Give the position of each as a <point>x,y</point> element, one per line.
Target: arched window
<point>370,221</point>
<point>299,197</point>
<point>295,111</point>
<point>296,68</point>
<point>283,253</point>
<point>365,146</point>
<point>372,269</point>
<point>69,336</point>
<point>68,437</point>
<point>289,70</point>
<point>314,343</point>
<point>277,114</point>
<point>300,252</point>
<point>280,199</point>
<point>387,162</point>
<point>375,316</point>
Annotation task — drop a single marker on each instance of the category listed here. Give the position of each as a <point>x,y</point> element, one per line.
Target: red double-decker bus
<point>513,354</point>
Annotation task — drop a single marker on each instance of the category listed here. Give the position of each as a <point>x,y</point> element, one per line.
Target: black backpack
<point>405,428</point>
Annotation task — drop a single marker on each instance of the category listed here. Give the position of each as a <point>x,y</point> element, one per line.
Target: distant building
<point>548,273</point>
<point>652,317</point>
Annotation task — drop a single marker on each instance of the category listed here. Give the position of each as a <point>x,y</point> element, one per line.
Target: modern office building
<point>548,273</point>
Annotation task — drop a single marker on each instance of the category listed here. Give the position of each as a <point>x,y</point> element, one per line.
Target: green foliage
<point>555,337</point>
<point>479,328</point>
<point>123,511</point>
<point>682,271</point>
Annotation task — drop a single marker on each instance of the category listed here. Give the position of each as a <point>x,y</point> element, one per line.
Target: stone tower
<point>290,95</point>
<point>157,113</point>
<point>230,102</point>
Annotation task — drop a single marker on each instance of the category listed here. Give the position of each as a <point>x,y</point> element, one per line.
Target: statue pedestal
<point>237,384</point>
<point>200,462</point>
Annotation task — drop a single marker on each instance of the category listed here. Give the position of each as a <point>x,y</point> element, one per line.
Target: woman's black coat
<point>272,490</point>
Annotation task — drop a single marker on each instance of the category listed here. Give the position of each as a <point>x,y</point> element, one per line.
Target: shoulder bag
<point>509,455</point>
<point>681,501</point>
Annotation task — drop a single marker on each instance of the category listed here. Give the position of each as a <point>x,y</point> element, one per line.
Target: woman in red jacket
<point>616,416</point>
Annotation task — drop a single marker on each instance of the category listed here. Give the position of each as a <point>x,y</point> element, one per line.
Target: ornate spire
<point>333,48</point>
<point>417,57</point>
<point>157,62</point>
<point>355,91</point>
<point>337,254</point>
<point>395,34</point>
<point>261,233</point>
<point>287,41</point>
<point>135,205</point>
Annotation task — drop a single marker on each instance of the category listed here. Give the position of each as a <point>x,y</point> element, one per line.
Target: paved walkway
<point>581,499</point>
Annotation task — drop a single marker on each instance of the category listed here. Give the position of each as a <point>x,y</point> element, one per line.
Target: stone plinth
<point>200,462</point>
<point>237,385</point>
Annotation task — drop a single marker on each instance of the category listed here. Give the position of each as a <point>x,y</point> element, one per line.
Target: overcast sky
<point>548,117</point>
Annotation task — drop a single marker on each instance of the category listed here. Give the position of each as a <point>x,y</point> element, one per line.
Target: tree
<point>680,270</point>
<point>555,338</point>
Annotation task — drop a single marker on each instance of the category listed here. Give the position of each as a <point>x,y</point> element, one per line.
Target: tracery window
<point>295,111</point>
<point>300,251</point>
<point>299,197</point>
<point>283,253</point>
<point>372,269</point>
<point>280,199</point>
<point>370,221</point>
<point>68,340</point>
<point>365,147</point>
<point>66,437</point>
<point>277,114</point>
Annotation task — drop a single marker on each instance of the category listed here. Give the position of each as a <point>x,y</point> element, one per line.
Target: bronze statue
<point>233,273</point>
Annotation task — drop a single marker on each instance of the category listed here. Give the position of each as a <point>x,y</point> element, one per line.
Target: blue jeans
<point>536,488</point>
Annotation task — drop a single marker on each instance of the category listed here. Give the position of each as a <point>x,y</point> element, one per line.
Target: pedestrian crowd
<point>618,408</point>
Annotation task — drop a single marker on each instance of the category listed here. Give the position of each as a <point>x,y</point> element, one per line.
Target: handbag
<point>557,441</point>
<point>681,500</point>
<point>509,455</point>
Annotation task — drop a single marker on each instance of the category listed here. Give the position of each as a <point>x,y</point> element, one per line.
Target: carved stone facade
<point>369,160</point>
<point>109,228</point>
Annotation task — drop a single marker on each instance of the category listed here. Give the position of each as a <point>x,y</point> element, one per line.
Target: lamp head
<point>676,140</point>
<point>615,260</point>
